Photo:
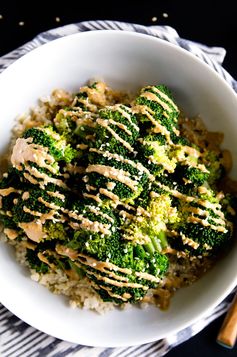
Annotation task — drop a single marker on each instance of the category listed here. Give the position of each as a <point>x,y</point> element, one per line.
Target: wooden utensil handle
<point>228,332</point>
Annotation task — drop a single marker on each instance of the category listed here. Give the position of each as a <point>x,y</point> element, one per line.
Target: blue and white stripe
<point>17,339</point>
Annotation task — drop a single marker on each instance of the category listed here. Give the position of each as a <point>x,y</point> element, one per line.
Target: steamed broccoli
<point>155,153</point>
<point>98,236</point>
<point>155,104</point>
<point>111,175</point>
<point>55,144</point>
<point>203,226</point>
<point>116,129</point>
<point>109,189</point>
<point>127,261</point>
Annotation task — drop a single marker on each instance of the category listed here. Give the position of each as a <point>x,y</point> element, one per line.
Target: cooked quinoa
<point>112,199</point>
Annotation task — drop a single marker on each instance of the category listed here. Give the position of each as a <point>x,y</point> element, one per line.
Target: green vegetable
<point>106,190</point>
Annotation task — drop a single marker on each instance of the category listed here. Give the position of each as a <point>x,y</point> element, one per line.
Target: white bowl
<point>126,61</point>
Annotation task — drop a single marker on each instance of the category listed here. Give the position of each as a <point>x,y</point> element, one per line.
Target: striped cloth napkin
<point>17,339</point>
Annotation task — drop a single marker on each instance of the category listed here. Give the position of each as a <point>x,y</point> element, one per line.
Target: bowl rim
<point>230,287</point>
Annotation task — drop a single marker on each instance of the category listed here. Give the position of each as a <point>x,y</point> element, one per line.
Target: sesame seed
<point>165,14</point>
<point>57,19</point>
<point>21,23</point>
<point>154,19</point>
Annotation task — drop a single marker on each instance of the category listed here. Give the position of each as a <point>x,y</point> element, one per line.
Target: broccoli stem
<point>157,243</point>
<point>163,239</point>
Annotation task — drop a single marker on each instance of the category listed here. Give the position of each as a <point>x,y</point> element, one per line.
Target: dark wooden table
<point>202,21</point>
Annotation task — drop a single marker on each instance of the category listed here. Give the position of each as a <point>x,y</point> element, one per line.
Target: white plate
<point>126,61</point>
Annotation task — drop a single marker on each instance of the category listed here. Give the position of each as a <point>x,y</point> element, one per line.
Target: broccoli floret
<point>99,238</point>
<point>158,100</point>
<point>52,141</point>
<point>130,260</point>
<point>116,130</point>
<point>112,174</point>
<point>156,154</point>
<point>202,228</point>
<point>65,124</point>
<point>43,258</point>
<point>189,174</point>
<point>56,230</point>
<point>137,263</point>
<point>149,225</point>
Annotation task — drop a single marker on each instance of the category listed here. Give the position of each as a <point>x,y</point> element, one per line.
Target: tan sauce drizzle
<point>151,96</point>
<point>120,158</point>
<point>90,188</point>
<point>94,197</point>
<point>201,167</point>
<point>115,174</point>
<point>10,233</point>
<point>49,204</point>
<point>24,151</point>
<point>43,216</point>
<point>46,261</point>
<point>189,150</point>
<point>46,179</point>
<point>25,196</point>
<point>126,115</point>
<point>89,225</point>
<point>166,97</point>
<point>31,179</point>
<point>125,214</point>
<point>110,273</point>
<point>202,190</point>
<point>213,206</point>
<point>120,126</point>
<point>97,211</point>
<point>68,252</point>
<point>105,124</point>
<point>206,224</point>
<point>109,291</point>
<point>189,241</point>
<point>158,128</point>
<point>82,146</point>
<point>56,194</point>
<point>33,230</point>
<point>147,276</point>
<point>7,191</point>
<point>118,283</point>
<point>142,212</point>
<point>88,105</point>
<point>110,185</point>
<point>109,194</point>
<point>200,212</point>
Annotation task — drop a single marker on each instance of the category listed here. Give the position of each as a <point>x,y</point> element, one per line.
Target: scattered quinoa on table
<point>112,200</point>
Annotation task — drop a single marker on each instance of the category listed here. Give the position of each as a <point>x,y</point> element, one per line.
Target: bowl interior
<point>125,61</point>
